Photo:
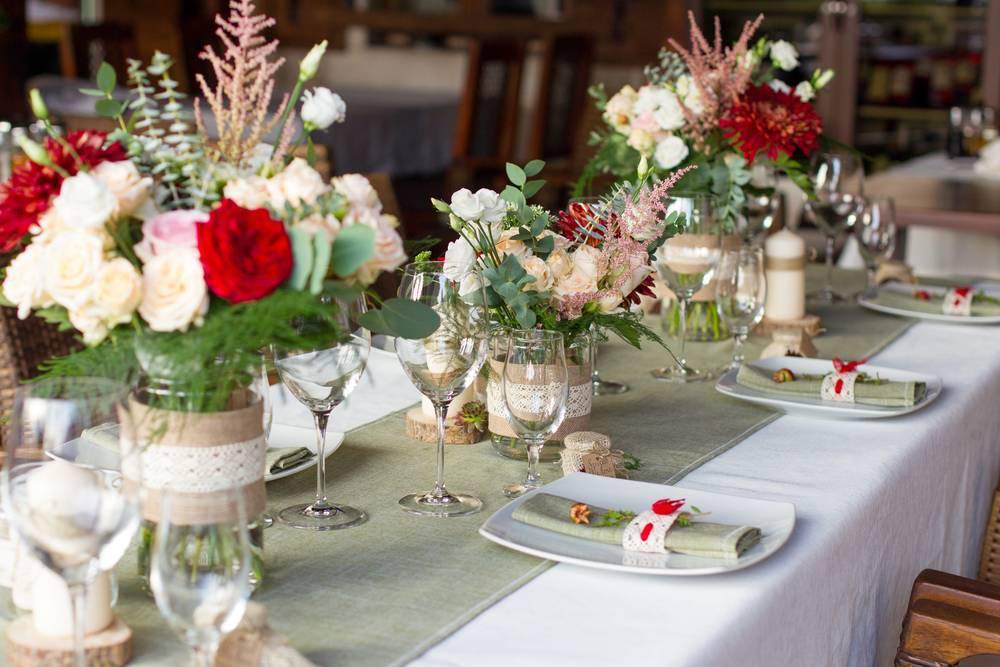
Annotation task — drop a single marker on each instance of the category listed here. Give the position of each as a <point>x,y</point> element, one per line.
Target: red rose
<point>246,254</point>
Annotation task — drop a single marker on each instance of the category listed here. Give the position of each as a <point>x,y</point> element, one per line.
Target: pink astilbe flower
<point>244,82</point>
<point>643,217</point>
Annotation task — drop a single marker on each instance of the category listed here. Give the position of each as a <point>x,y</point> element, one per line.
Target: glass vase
<point>704,325</point>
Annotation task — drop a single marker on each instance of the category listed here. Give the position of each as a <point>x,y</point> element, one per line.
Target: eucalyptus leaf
<point>353,246</point>
<point>302,256</point>
<point>108,108</point>
<point>106,78</point>
<point>534,168</point>
<point>514,196</point>
<point>531,188</point>
<point>403,318</point>
<point>322,248</point>
<point>516,174</point>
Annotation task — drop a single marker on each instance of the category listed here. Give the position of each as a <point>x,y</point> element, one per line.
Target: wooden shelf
<point>921,115</point>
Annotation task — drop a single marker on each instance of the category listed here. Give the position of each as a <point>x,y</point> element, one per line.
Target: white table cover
<point>876,503</point>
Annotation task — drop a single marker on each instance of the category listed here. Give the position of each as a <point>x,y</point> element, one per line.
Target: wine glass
<point>685,263</point>
<point>876,235</point>
<point>761,204</point>
<point>535,391</point>
<point>443,365</point>
<point>837,179</point>
<point>204,603</point>
<point>75,520</point>
<point>321,377</point>
<point>267,407</point>
<point>739,295</point>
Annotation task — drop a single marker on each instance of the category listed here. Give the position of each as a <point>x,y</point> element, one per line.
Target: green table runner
<point>384,592</point>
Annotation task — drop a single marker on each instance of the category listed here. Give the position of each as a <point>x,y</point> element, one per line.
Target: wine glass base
<point>518,490</point>
<point>448,505</point>
<point>680,375</point>
<point>266,520</point>
<point>308,518</point>
<point>609,388</point>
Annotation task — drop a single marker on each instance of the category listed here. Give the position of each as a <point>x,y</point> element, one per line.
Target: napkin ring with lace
<point>958,301</point>
<point>647,531</point>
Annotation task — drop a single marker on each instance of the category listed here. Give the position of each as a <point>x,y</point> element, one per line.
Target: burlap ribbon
<point>591,452</point>
<point>577,407</point>
<point>785,263</point>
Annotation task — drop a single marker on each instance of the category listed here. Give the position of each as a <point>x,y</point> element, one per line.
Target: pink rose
<point>645,122</point>
<point>169,231</point>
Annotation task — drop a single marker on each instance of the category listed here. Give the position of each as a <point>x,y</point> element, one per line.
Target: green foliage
<point>403,318</point>
<point>615,518</point>
<point>353,246</point>
<point>668,68</point>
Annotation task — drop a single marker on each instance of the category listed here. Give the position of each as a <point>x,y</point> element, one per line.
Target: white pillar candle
<point>785,271</point>
<point>52,610</point>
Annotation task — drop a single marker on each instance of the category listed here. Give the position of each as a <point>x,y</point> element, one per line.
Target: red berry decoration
<point>667,506</point>
<point>646,530</point>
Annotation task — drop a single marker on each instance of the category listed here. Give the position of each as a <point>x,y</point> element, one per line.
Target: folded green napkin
<point>981,307</point>
<point>708,540</point>
<point>875,392</point>
<point>283,458</point>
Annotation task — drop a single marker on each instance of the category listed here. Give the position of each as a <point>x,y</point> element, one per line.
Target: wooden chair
<point>989,558</point>
<point>949,618</point>
<point>83,48</point>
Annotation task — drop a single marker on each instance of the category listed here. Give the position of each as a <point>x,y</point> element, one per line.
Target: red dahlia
<point>766,120</point>
<point>29,191</point>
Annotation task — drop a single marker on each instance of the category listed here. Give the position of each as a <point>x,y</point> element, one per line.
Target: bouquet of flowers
<point>164,241</point>
<point>720,108</point>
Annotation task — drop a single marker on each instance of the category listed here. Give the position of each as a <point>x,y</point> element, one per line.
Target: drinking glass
<point>686,262</point>
<point>267,406</point>
<point>535,391</point>
<point>837,179</point>
<point>442,365</point>
<point>761,204</point>
<point>76,520</point>
<point>739,295</point>
<point>201,604</point>
<point>601,386</point>
<point>321,378</point>
<point>876,236</point>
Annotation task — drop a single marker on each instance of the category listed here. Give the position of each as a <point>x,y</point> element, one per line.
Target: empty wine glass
<point>76,520</point>
<point>739,295</point>
<point>321,378</point>
<point>838,179</point>
<point>535,391</point>
<point>443,364</point>
<point>685,263</point>
<point>267,406</point>
<point>202,604</point>
<point>876,236</point>
<point>761,204</point>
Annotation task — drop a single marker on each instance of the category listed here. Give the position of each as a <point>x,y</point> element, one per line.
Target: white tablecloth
<point>876,503</point>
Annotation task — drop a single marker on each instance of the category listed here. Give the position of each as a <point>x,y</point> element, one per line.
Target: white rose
<point>459,259</point>
<point>538,270</point>
<point>297,184</point>
<point>508,245</point>
<point>588,261</point>
<point>88,321</point>
<point>784,55</point>
<point>610,301</point>
<point>317,222</point>
<point>117,291</point>
<point>805,91</point>
<point>466,205</point>
<point>72,262</point>
<point>389,252</point>
<point>618,112</point>
<point>662,104</point>
<point>575,282</point>
<point>641,140</point>
<point>321,108</point>
<point>24,284</point>
<point>670,152</point>
<point>174,294</point>
<point>357,190</point>
<point>559,263</point>
<point>779,86</point>
<point>131,189</point>
<point>494,208</point>
<point>250,192</point>
<point>84,202</point>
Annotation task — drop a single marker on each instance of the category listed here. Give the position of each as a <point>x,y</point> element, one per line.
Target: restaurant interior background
<point>443,91</point>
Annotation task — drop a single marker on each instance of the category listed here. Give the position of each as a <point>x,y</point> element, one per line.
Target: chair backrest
<point>486,130</point>
<point>562,97</point>
<point>83,48</point>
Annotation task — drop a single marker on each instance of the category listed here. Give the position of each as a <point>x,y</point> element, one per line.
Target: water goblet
<point>442,365</point>
<point>739,295</point>
<point>321,377</point>
<point>535,392</point>
<point>761,204</point>
<point>267,406</point>
<point>876,236</point>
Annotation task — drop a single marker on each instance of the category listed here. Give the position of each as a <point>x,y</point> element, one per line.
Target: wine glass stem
<point>204,654</point>
<point>739,339</point>
<point>682,304</point>
<point>440,412</point>
<point>322,418</point>
<point>534,450</point>
<point>78,599</point>
<point>595,378</point>
<point>831,242</point>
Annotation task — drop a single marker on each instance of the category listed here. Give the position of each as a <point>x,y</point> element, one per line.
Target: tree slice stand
<point>421,427</point>
<point>111,647</point>
<point>810,324</point>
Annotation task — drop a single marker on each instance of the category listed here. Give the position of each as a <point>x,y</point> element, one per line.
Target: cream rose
<point>610,301</point>
<point>540,271</point>
<point>84,203</point>
<point>389,252</point>
<point>24,284</point>
<point>71,264</point>
<point>170,231</point>
<point>117,291</point>
<point>174,295</point>
<point>670,152</point>
<point>575,282</point>
<point>317,222</point>
<point>618,112</point>
<point>88,321</point>
<point>298,184</point>
<point>357,190</point>
<point>466,205</point>
<point>131,189</point>
<point>494,208</point>
<point>559,263</point>
<point>588,261</point>
<point>250,192</point>
<point>508,245</point>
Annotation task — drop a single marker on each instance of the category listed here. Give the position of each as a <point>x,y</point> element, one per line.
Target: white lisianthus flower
<point>662,104</point>
<point>618,112</point>
<point>250,192</point>
<point>297,184</point>
<point>24,284</point>
<point>321,108</point>
<point>72,262</point>
<point>466,205</point>
<point>310,64</point>
<point>494,208</point>
<point>804,91</point>
<point>84,202</point>
<point>88,321</point>
<point>459,259</point>
<point>389,252</point>
<point>131,189</point>
<point>117,291</point>
<point>539,270</point>
<point>670,152</point>
<point>784,56</point>
<point>779,86</point>
<point>641,140</point>
<point>174,294</point>
<point>587,262</point>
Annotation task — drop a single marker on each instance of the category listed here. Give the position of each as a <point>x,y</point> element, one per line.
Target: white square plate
<point>775,520</point>
<point>816,407</point>
<point>989,288</point>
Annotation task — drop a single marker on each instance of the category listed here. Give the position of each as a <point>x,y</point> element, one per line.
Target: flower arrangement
<point>193,247</point>
<point>720,108</point>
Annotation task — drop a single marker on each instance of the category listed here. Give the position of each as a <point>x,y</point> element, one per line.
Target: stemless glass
<point>76,520</point>
<point>838,179</point>
<point>876,235</point>
<point>321,378</point>
<point>205,603</point>
<point>535,391</point>
<point>442,365</point>
<point>739,295</point>
<point>761,205</point>
<point>686,262</point>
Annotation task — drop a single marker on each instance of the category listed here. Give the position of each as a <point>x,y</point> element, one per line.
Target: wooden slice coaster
<point>111,647</point>
<point>421,427</point>
<point>810,324</point>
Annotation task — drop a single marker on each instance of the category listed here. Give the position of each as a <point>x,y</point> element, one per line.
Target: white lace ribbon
<point>957,303</point>
<point>838,387</point>
<point>526,395</point>
<point>198,469</point>
<point>647,532</point>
